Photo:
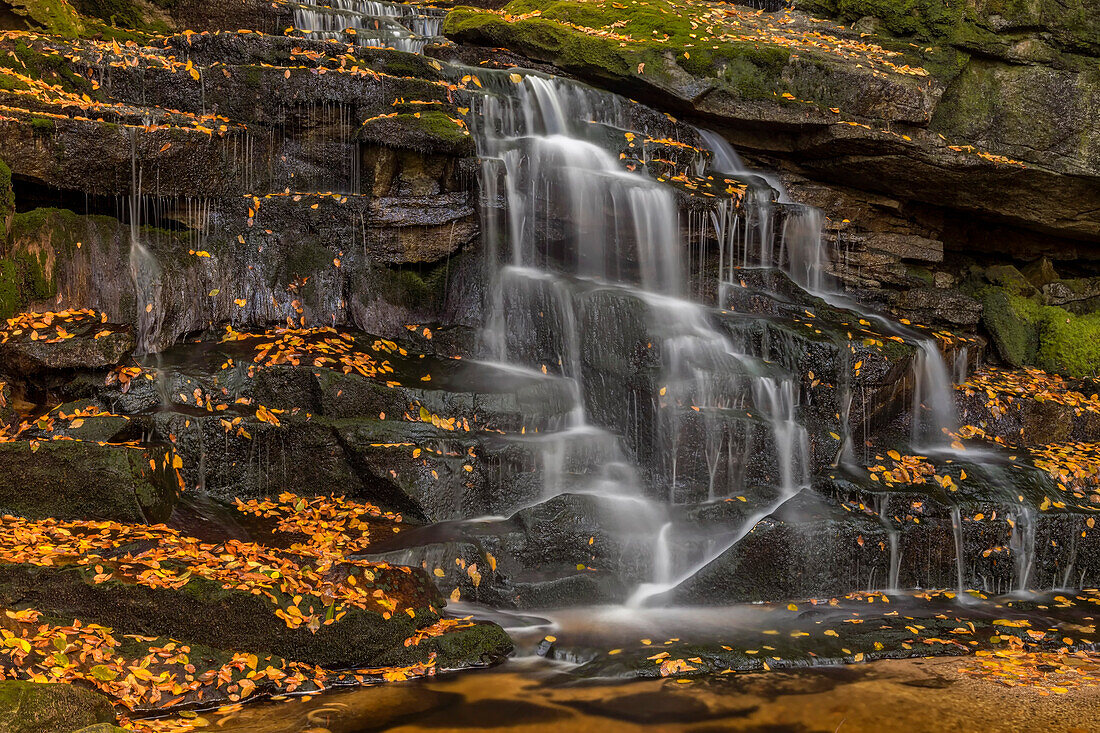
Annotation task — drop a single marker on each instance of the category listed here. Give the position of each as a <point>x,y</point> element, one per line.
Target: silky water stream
<point>701,484</point>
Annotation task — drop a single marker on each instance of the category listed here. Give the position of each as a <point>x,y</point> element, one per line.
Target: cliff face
<point>940,137</point>
<point>241,166</point>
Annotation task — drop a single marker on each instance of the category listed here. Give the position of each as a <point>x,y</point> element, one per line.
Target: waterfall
<point>579,239</point>
<point>802,255</point>
<point>370,23</point>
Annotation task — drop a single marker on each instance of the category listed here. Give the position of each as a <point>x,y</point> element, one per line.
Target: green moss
<point>11,297</point>
<point>22,279</point>
<point>431,131</point>
<point>751,70</point>
<point>1012,322</point>
<point>56,17</point>
<point>30,707</point>
<point>1027,333</point>
<point>422,288</point>
<point>1069,344</point>
<point>306,260</point>
<point>7,193</point>
<point>253,77</point>
<point>989,26</point>
<point>42,126</point>
<point>926,19</point>
<point>121,13</point>
<point>48,66</point>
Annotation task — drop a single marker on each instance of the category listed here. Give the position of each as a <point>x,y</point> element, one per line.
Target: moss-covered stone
<point>1069,344</point>
<point>30,707</point>
<point>7,199</point>
<point>1073,24</point>
<point>751,70</point>
<point>121,13</point>
<point>51,67</point>
<point>73,479</point>
<point>203,611</point>
<point>1011,279</point>
<point>57,17</point>
<point>1027,333</point>
<point>926,19</point>
<point>432,131</point>
<point>1010,323</point>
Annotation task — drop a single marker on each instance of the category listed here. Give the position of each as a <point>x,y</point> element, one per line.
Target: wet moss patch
<point>1027,333</point>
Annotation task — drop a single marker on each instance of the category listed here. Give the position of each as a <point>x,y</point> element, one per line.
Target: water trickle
<point>960,555</point>
<point>1022,545</point>
<point>145,271</point>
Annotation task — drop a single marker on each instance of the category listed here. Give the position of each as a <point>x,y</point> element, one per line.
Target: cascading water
<point>370,23</point>
<point>571,227</point>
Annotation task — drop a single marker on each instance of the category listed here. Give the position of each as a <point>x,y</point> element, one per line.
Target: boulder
<point>1040,272</point>
<point>78,479</point>
<point>30,707</point>
<point>1011,279</point>
<point>203,611</point>
<point>25,357</point>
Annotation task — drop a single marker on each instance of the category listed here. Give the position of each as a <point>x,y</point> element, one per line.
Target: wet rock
<point>805,549</point>
<point>255,459</point>
<point>1041,272</point>
<point>78,479</point>
<point>204,612</point>
<point>26,357</point>
<point>1011,279</point>
<point>30,707</point>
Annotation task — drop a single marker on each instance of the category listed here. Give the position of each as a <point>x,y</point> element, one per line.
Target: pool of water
<point>534,695</point>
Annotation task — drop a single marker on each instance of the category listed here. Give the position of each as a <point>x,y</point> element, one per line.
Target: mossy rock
<point>29,60</point>
<point>203,611</point>
<point>1011,279</point>
<point>1069,344</point>
<point>75,479</point>
<point>122,13</point>
<point>1071,24</point>
<point>1026,333</point>
<point>479,645</point>
<point>22,280</point>
<point>7,201</point>
<point>925,19</point>
<point>1014,333</point>
<point>433,131</point>
<point>56,17</point>
<point>748,70</point>
<point>31,707</point>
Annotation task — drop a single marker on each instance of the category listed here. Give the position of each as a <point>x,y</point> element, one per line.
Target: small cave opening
<point>171,213</point>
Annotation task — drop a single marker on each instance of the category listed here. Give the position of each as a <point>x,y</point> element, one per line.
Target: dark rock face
<point>205,612</point>
<point>29,707</point>
<point>329,224</point>
<point>27,358</point>
<point>76,479</point>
